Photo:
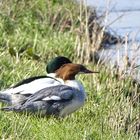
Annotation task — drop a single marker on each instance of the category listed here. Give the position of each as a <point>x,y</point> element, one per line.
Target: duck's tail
<point>5,98</point>
<point>12,99</point>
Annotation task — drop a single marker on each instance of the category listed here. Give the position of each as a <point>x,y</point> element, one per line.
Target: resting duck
<point>59,100</point>
<point>19,92</point>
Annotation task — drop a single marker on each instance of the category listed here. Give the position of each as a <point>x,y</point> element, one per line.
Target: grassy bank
<point>33,32</point>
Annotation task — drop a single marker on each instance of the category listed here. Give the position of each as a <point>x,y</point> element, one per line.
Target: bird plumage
<point>60,99</point>
<point>23,89</point>
<point>18,94</point>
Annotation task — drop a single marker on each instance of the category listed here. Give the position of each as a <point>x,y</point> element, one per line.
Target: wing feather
<point>48,100</point>
<point>61,92</point>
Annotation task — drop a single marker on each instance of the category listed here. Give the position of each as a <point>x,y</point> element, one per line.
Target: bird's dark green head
<point>56,63</point>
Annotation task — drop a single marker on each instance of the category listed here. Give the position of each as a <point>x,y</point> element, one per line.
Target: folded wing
<point>49,101</point>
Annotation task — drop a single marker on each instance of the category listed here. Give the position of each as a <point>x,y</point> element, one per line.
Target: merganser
<point>59,100</point>
<point>19,92</point>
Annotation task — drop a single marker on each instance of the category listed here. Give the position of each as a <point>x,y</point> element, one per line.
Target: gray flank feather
<point>64,92</point>
<point>35,103</point>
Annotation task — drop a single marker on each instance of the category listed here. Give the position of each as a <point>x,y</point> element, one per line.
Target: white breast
<point>77,101</point>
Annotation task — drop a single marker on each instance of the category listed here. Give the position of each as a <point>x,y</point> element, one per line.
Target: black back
<point>28,80</point>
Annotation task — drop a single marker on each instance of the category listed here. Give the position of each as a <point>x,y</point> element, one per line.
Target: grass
<point>33,32</point>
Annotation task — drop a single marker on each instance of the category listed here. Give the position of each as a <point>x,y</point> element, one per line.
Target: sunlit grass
<point>32,33</point>
<point>104,116</point>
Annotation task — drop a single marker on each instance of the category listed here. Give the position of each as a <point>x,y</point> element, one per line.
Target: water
<point>126,12</point>
<point>126,15</point>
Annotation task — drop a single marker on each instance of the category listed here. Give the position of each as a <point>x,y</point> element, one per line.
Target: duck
<point>25,88</point>
<point>60,100</point>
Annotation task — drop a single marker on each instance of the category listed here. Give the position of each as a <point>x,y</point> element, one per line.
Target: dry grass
<point>33,32</point>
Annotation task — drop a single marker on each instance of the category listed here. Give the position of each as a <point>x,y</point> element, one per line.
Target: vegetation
<point>33,32</point>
